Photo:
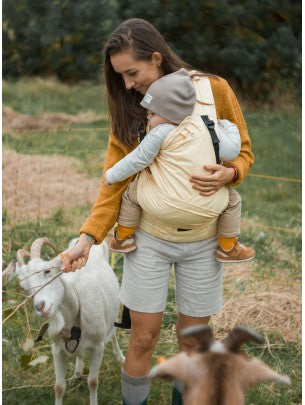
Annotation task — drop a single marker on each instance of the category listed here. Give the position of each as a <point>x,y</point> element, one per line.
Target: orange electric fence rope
<point>275,228</point>
<point>265,176</point>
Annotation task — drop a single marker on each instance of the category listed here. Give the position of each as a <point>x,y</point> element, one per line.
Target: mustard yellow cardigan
<point>107,205</point>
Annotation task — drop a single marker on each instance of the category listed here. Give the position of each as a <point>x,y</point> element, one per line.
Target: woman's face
<point>137,74</point>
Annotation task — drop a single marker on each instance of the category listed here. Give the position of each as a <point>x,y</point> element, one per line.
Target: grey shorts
<point>146,275</point>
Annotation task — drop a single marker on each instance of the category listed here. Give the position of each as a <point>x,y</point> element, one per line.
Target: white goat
<point>82,303</point>
<point>217,373</point>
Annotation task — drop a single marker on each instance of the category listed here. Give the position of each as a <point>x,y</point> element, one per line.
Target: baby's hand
<point>106,182</point>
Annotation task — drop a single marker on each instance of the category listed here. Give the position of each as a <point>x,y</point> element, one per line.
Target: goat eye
<point>47,272</point>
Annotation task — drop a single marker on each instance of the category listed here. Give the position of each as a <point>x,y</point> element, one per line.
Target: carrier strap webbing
<point>211,127</point>
<point>126,320</point>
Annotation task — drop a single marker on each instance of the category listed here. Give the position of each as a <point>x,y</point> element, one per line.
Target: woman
<point>134,57</point>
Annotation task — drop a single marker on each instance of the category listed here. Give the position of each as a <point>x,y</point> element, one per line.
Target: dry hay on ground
<point>268,305</point>
<point>33,186</point>
<point>13,121</point>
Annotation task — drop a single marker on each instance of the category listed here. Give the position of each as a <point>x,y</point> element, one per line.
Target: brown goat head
<point>217,373</point>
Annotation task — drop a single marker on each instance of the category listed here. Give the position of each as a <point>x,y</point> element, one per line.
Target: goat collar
<point>72,337</point>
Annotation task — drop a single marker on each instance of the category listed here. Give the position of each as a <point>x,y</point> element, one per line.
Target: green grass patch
<point>285,359</point>
<point>276,142</point>
<point>276,252</point>
<point>37,96</point>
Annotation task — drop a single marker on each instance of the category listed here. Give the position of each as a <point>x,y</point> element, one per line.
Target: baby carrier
<point>171,209</point>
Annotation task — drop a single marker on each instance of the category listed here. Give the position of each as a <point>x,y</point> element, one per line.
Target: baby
<point>177,102</point>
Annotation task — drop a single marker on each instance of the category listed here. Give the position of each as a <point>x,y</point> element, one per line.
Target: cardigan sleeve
<point>227,107</point>
<point>107,205</point>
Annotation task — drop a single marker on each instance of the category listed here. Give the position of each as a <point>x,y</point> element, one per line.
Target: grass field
<point>264,294</point>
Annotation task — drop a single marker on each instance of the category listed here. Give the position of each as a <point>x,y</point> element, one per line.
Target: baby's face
<point>155,119</point>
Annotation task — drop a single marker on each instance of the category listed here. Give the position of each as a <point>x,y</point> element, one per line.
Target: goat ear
<point>259,372</point>
<point>201,333</point>
<point>9,272</point>
<point>17,270</point>
<point>240,335</point>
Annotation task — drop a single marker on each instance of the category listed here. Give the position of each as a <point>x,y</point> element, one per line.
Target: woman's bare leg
<point>185,321</point>
<point>145,332</point>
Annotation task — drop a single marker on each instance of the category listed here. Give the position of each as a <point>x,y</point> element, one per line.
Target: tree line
<point>256,43</point>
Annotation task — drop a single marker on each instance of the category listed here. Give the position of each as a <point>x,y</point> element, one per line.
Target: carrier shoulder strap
<point>210,124</point>
<point>126,320</point>
<point>205,107</point>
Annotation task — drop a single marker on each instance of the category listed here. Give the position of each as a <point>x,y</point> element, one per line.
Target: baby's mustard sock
<point>123,231</point>
<point>226,243</point>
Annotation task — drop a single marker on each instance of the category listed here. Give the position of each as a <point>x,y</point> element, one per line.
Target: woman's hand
<point>77,256</point>
<point>209,184</point>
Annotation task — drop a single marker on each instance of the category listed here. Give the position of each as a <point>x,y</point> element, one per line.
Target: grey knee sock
<point>135,390</point>
<point>178,385</point>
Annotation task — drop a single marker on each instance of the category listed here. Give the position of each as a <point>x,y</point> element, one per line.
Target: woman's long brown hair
<point>124,105</point>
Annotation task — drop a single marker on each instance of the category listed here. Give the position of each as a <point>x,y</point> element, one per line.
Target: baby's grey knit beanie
<point>173,96</point>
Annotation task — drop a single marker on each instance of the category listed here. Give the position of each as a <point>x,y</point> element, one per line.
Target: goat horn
<point>36,247</point>
<point>240,335</point>
<point>21,254</point>
<point>9,272</point>
<point>202,333</point>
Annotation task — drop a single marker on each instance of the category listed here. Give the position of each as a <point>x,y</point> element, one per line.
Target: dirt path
<point>33,186</point>
<point>13,121</point>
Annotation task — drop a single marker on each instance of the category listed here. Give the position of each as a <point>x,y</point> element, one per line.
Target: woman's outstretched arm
<point>107,205</point>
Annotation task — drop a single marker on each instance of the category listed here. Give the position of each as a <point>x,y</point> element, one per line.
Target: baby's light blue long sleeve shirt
<point>144,154</point>
<point>141,157</point>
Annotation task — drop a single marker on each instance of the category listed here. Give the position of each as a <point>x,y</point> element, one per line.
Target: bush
<point>56,37</point>
<point>256,43</point>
